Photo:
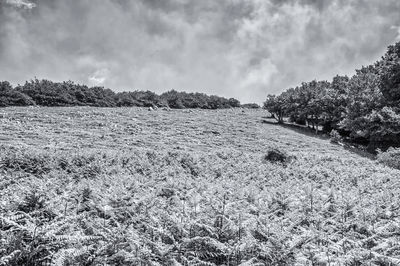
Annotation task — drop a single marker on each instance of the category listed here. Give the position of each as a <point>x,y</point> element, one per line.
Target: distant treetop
<point>67,93</point>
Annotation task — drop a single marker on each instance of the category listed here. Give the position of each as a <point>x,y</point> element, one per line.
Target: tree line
<point>364,108</point>
<point>67,93</point>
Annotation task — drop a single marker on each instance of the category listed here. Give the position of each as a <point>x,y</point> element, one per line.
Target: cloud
<point>99,77</point>
<point>21,4</point>
<point>234,48</point>
<point>397,28</point>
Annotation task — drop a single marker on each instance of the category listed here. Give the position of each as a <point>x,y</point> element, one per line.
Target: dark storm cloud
<point>239,48</point>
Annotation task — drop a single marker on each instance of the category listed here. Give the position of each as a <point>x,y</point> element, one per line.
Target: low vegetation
<point>125,186</point>
<point>390,158</point>
<point>277,156</point>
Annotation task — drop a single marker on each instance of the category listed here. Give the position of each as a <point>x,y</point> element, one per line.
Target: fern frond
<point>64,256</point>
<point>6,259</point>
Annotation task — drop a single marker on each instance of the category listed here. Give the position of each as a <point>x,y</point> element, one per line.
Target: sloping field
<point>128,186</point>
<point>131,128</point>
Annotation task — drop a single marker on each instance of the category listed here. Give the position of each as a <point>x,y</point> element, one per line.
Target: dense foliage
<point>49,93</point>
<point>391,157</point>
<point>364,107</point>
<point>180,100</point>
<point>11,97</point>
<point>251,106</point>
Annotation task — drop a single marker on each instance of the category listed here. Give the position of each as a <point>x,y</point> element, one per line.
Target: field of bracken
<point>129,186</point>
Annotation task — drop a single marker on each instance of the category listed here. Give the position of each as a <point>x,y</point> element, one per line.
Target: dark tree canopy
<point>251,106</point>
<point>390,75</point>
<point>9,96</point>
<point>365,107</point>
<point>49,93</point>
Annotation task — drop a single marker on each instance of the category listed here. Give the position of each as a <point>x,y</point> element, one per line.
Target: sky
<point>244,49</point>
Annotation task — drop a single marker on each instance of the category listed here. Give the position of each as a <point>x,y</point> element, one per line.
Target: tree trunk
<point>280,118</point>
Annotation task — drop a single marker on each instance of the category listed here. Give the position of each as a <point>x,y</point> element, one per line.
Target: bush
<point>335,136</point>
<point>277,156</point>
<point>390,158</point>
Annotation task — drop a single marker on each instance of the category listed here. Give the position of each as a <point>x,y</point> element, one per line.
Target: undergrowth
<point>146,207</point>
<point>391,158</point>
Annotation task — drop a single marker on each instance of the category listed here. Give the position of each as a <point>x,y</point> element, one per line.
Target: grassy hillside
<point>128,186</point>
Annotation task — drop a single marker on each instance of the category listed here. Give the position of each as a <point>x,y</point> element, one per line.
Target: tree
<point>363,96</point>
<point>332,100</point>
<point>251,106</point>
<point>275,105</point>
<point>389,68</point>
<point>11,97</point>
<point>233,102</point>
<point>383,127</point>
<point>173,99</point>
<point>365,107</point>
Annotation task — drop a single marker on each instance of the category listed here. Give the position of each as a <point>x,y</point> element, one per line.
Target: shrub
<point>277,156</point>
<point>390,158</point>
<point>335,136</point>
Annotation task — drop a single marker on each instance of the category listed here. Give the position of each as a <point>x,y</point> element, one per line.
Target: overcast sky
<point>235,48</point>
